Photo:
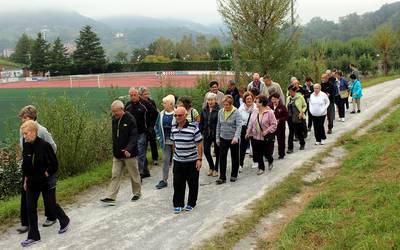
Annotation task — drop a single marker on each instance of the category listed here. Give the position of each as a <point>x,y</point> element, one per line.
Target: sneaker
<point>317,143</point>
<point>155,162</point>
<point>29,242</point>
<point>188,208</point>
<point>322,142</point>
<point>233,179</point>
<point>255,165</point>
<point>281,157</point>
<point>210,172</point>
<point>135,197</point>
<point>240,169</point>
<point>108,201</point>
<point>358,111</point>
<point>270,166</point>
<point>22,229</point>
<point>219,181</point>
<point>49,223</point>
<point>145,176</point>
<point>289,151</point>
<point>215,174</point>
<point>64,229</point>
<point>302,147</point>
<point>162,184</point>
<point>352,112</point>
<point>260,172</point>
<point>177,210</point>
<point>247,151</point>
<point>309,129</point>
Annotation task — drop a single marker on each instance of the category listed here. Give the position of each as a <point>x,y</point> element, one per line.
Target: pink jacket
<point>268,124</point>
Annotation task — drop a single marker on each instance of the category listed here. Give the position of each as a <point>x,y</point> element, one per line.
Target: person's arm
<point>284,115</point>
<point>273,123</point>
<point>327,102</point>
<point>46,136</point>
<point>238,124</point>
<point>51,160</point>
<point>132,141</point>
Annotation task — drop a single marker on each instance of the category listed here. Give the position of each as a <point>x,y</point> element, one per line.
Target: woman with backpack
<point>296,106</point>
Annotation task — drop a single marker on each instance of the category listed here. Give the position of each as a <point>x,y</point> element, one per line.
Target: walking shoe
<point>144,175</point>
<point>22,229</point>
<point>358,111</point>
<point>302,147</point>
<point>49,223</point>
<point>289,151</point>
<point>155,162</point>
<point>255,165</point>
<point>108,201</point>
<point>352,112</point>
<point>65,228</point>
<point>215,174</point>
<point>260,172</point>
<point>177,210</point>
<point>317,143</point>
<point>322,142</point>
<point>135,197</point>
<point>188,208</point>
<point>29,242</point>
<point>281,157</point>
<point>210,172</point>
<point>162,184</point>
<point>219,181</point>
<point>270,166</point>
<point>329,131</point>
<point>233,179</point>
<point>240,169</point>
<point>309,129</point>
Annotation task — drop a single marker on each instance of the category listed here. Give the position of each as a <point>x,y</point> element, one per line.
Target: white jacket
<point>318,104</point>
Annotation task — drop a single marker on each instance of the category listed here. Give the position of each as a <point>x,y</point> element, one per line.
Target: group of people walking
<point>239,121</point>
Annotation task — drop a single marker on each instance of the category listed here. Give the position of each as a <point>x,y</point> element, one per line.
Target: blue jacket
<point>160,129</point>
<point>356,89</point>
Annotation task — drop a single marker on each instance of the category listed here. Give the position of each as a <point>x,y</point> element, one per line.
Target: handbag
<point>344,94</point>
<point>270,137</point>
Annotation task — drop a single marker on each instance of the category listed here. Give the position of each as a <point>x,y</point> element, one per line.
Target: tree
<point>215,50</point>
<point>263,31</point>
<point>89,56</point>
<point>121,57</point>
<point>162,47</point>
<point>39,55</point>
<point>201,45</point>
<point>384,41</point>
<point>58,59</point>
<point>186,47</point>
<point>22,50</point>
<point>138,55</point>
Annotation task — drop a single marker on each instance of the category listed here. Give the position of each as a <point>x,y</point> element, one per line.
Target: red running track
<point>187,81</point>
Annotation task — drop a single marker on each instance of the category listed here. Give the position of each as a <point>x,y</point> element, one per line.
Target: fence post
<point>70,81</point>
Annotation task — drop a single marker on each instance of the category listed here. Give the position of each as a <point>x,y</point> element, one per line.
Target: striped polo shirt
<point>186,140</point>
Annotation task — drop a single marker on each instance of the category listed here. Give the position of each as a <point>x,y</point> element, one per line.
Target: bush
<point>10,173</point>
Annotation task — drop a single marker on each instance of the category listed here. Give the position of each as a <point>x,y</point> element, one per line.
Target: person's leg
<point>346,101</point>
<point>243,147</point>
<point>141,157</point>
<point>23,208</point>
<point>116,175</point>
<point>268,151</point>
<point>322,127</point>
<point>331,115</point>
<point>217,155</point>
<point>280,135</point>
<point>310,119</point>
<point>354,103</point>
<point>298,128</point>
<point>49,198</point>
<point>166,160</point>
<point>133,170</point>
<point>192,178</point>
<point>32,197</point>
<point>179,184</point>
<point>258,155</point>
<point>341,108</point>
<point>153,145</point>
<point>358,101</point>
<point>291,134</point>
<point>207,152</point>
<point>224,146</point>
<point>317,128</point>
<point>234,159</point>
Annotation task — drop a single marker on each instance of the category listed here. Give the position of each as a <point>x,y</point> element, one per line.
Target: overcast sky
<point>203,11</point>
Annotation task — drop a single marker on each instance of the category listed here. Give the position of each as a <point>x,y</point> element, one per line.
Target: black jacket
<point>236,96</point>
<point>307,93</point>
<point>38,158</point>
<point>144,113</point>
<point>208,122</point>
<point>124,136</point>
<point>329,89</point>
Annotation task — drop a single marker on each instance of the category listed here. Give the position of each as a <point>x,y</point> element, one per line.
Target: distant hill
<point>352,25</point>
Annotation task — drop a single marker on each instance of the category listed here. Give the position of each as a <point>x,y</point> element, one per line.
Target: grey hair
<point>132,89</point>
<point>142,90</point>
<point>211,95</point>
<point>117,104</point>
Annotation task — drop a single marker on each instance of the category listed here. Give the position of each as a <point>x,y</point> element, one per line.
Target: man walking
<point>328,87</point>
<point>125,148</point>
<point>188,154</point>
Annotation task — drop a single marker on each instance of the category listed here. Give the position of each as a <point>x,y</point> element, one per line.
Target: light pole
<point>235,57</point>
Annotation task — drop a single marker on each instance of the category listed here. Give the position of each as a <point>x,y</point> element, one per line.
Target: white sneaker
<point>343,120</point>
<point>322,142</point>
<point>240,169</point>
<point>317,143</point>
<point>255,165</point>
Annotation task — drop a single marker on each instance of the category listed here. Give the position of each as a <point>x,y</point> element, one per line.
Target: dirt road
<point>150,223</point>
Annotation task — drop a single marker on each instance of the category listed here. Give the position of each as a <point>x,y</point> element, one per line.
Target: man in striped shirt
<point>188,154</point>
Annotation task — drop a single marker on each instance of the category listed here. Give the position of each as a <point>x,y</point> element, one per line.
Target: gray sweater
<point>229,128</point>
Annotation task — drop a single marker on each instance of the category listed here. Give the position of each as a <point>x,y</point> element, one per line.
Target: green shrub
<point>10,173</point>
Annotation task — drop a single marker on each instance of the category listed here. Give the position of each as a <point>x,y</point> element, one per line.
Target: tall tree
<point>186,47</point>
<point>162,47</point>
<point>89,56</point>
<point>263,29</point>
<point>121,57</point>
<point>40,55</point>
<point>384,40</point>
<point>22,50</point>
<point>58,58</point>
<point>201,45</point>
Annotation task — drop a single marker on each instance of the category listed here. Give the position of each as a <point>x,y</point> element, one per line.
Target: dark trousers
<point>24,210</point>
<point>225,145</point>
<point>340,105</point>
<point>151,138</point>
<point>295,129</point>
<point>280,136</point>
<point>49,198</point>
<point>346,102</point>
<point>185,172</point>
<point>319,129</point>
<point>207,152</point>
<point>261,149</point>
<point>309,124</point>
<point>331,114</point>
<point>244,144</point>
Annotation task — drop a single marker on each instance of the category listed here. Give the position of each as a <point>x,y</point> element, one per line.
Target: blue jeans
<point>141,157</point>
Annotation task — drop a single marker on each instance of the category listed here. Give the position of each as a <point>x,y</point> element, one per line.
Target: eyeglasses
<point>179,115</point>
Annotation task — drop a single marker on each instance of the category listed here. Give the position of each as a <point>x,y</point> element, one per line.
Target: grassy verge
<point>291,185</point>
<point>365,216</point>
<point>67,190</point>
<point>377,80</point>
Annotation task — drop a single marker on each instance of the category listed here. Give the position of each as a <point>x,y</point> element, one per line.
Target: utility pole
<point>292,10</point>
<point>235,57</point>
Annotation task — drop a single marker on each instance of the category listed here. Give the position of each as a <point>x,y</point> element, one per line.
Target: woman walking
<point>355,93</point>
<point>296,106</point>
<point>281,115</point>
<point>228,134</point>
<point>262,126</point>
<point>208,128</point>
<point>193,115</point>
<point>319,103</point>
<point>164,123</point>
